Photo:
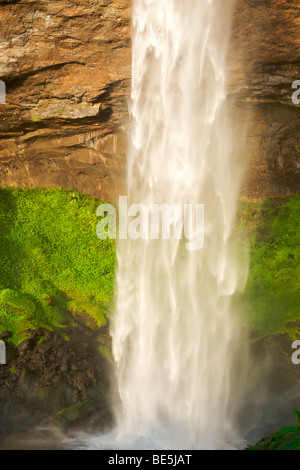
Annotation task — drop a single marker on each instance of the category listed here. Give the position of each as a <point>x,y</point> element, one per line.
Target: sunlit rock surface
<point>67,68</point>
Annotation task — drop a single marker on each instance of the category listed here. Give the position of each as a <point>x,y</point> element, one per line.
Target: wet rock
<point>41,379</point>
<point>75,414</point>
<point>26,345</point>
<point>264,61</point>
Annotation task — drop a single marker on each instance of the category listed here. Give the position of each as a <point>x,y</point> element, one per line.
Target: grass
<point>51,261</point>
<point>271,299</point>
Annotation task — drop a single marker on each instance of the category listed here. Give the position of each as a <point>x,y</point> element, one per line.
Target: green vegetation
<point>105,352</point>
<point>271,300</point>
<point>51,261</point>
<point>53,266</point>
<point>287,438</point>
<point>75,413</point>
<point>272,296</point>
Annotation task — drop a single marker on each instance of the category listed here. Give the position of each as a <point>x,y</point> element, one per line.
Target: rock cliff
<point>66,65</point>
<point>264,62</point>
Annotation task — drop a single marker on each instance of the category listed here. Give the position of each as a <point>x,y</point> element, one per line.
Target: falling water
<point>174,330</point>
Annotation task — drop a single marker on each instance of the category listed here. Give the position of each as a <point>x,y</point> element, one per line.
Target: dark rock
<point>41,379</point>
<point>74,414</point>
<point>5,335</point>
<point>26,345</point>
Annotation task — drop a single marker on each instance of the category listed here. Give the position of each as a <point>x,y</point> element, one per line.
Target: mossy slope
<point>51,261</point>
<point>271,299</point>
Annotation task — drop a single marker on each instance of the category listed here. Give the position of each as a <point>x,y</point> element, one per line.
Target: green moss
<point>74,413</point>
<point>272,296</point>
<point>93,309</point>
<point>105,352</point>
<point>51,260</point>
<point>41,339</point>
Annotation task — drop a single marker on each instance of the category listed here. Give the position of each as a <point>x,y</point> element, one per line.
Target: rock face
<point>264,63</point>
<point>66,66</point>
<point>47,376</point>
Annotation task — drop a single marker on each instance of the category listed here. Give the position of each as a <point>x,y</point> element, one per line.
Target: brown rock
<point>67,70</point>
<point>40,379</point>
<point>264,61</point>
<point>5,335</point>
<point>66,66</point>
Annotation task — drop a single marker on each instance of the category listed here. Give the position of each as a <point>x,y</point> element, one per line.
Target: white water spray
<point>173,330</point>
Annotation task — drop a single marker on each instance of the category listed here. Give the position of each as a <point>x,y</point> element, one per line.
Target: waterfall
<point>173,330</point>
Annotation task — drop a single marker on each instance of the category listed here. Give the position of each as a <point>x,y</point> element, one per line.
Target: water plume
<point>174,332</point>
